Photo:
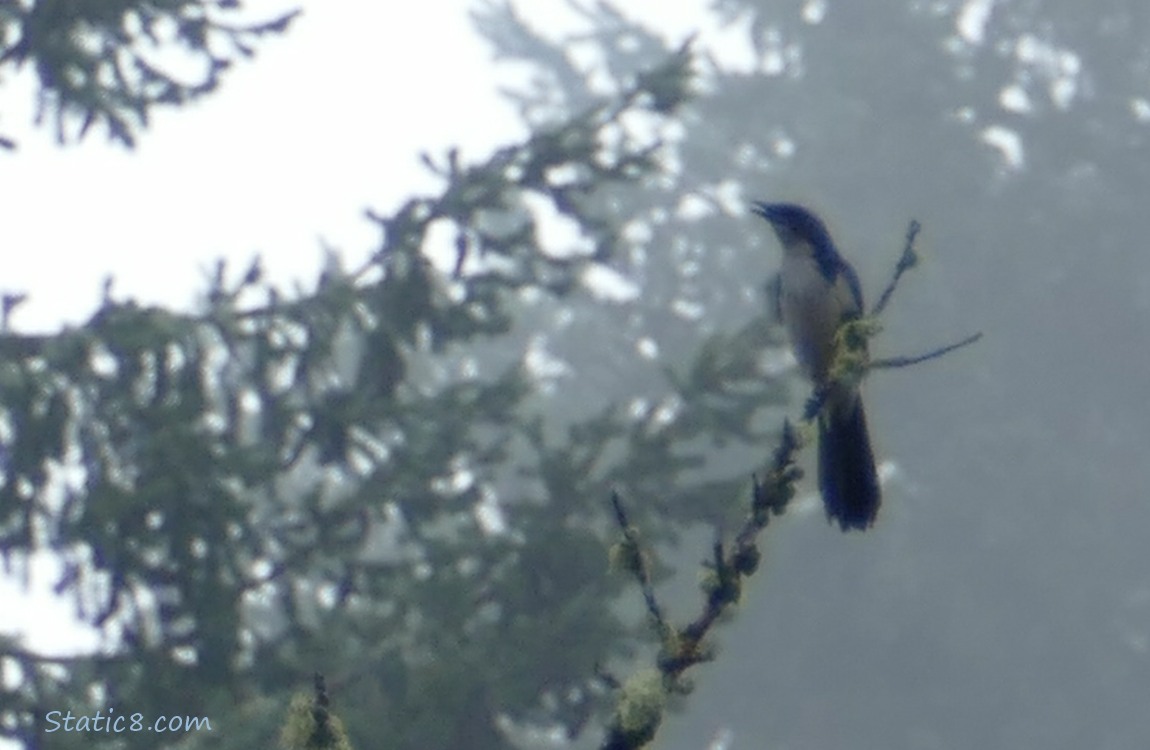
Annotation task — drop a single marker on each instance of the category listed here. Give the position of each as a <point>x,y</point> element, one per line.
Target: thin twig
<point>637,564</point>
<point>908,261</point>
<point>891,362</point>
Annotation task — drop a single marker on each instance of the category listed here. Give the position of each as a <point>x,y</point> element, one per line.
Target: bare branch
<point>908,261</point>
<point>892,362</point>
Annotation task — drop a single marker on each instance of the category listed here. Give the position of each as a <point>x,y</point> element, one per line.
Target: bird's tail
<point>847,477</point>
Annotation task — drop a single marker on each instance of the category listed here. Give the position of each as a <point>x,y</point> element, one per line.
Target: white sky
<point>324,122</point>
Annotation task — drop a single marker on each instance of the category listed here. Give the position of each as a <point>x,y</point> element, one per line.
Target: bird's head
<point>794,225</point>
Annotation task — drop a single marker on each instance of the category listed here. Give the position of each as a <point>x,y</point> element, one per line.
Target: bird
<point>815,292</point>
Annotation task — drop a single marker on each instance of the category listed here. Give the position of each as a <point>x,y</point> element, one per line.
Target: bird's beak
<point>766,210</point>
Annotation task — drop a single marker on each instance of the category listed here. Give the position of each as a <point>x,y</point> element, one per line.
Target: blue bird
<point>816,291</point>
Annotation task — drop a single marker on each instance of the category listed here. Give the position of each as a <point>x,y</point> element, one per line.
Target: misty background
<point>1002,598</point>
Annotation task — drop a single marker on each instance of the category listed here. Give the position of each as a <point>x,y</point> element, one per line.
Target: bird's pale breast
<point>812,309</point>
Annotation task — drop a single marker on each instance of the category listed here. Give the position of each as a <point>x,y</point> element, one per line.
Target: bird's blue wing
<point>852,280</point>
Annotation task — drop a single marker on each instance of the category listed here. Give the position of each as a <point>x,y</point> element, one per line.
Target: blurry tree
<point>363,478</point>
<point>112,61</point>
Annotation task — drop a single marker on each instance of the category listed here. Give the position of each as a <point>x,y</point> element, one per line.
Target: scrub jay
<point>816,291</point>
